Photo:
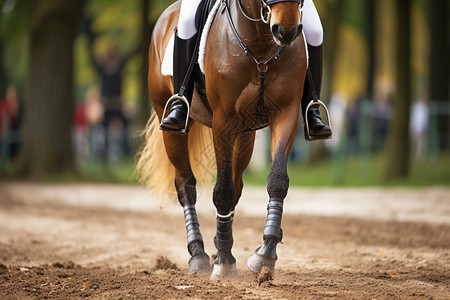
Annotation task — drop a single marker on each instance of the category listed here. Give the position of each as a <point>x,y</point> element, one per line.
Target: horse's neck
<point>256,35</point>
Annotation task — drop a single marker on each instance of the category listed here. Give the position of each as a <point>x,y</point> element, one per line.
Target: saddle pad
<point>167,64</point>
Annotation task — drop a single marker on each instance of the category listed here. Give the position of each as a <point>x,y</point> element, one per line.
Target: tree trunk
<point>398,150</point>
<point>370,11</point>
<point>439,64</point>
<point>47,129</point>
<point>2,71</point>
<point>331,27</point>
<point>144,104</point>
<point>318,151</point>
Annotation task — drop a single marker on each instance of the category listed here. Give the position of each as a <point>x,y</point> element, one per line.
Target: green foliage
<point>16,64</point>
<point>117,22</point>
<point>14,33</point>
<point>96,171</point>
<point>354,15</point>
<point>157,7</point>
<point>14,19</point>
<point>119,172</point>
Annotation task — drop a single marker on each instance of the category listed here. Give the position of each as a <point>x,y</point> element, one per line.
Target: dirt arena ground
<point>114,242</point>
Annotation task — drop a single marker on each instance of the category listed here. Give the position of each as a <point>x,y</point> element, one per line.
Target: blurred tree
<point>439,64</point>
<point>331,13</point>
<point>398,150</point>
<point>46,135</point>
<point>332,17</point>
<point>14,42</point>
<point>143,112</point>
<point>125,26</point>
<point>2,69</point>
<point>151,11</point>
<point>110,69</point>
<point>370,14</point>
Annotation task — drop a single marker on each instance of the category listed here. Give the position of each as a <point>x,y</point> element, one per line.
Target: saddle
<point>203,11</point>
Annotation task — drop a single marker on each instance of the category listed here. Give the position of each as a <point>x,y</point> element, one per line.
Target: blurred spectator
<point>110,71</point>
<point>418,128</point>
<point>94,115</point>
<point>9,123</point>
<point>337,109</point>
<point>109,68</point>
<point>353,125</point>
<point>80,131</point>
<point>382,117</point>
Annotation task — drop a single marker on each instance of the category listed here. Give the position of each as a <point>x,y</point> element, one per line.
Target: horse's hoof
<point>199,264</point>
<point>257,261</point>
<point>221,271</point>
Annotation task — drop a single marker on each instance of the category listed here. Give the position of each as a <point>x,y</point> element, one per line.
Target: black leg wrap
<point>224,238</point>
<point>272,230</point>
<point>192,227</point>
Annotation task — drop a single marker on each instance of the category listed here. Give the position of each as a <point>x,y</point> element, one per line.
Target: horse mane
<point>158,174</point>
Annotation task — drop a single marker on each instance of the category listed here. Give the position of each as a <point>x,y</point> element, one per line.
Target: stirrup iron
<point>171,99</point>
<point>310,137</point>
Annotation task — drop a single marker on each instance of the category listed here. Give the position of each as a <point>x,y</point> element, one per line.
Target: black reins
<point>262,66</point>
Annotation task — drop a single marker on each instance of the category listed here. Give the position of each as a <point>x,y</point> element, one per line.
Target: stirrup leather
<point>171,99</point>
<point>308,136</point>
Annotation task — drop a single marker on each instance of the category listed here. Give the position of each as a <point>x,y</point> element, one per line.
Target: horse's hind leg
<point>177,151</point>
<point>283,126</point>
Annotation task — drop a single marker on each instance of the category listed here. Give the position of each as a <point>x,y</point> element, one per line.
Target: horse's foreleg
<point>224,200</point>
<point>283,126</point>
<point>177,151</point>
<point>242,153</point>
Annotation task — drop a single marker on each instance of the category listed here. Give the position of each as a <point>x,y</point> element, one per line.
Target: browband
<point>270,2</point>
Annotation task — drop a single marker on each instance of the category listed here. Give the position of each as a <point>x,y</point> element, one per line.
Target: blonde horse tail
<point>155,170</point>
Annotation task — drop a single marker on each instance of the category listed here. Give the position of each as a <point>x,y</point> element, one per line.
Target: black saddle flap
<point>201,16</point>
<point>203,11</point>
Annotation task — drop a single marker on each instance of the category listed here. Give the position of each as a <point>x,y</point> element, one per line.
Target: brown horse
<point>243,52</point>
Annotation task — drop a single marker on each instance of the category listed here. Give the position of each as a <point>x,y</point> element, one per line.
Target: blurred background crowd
<point>74,94</point>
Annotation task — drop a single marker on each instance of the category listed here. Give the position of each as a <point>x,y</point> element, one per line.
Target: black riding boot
<point>183,52</point>
<point>317,129</point>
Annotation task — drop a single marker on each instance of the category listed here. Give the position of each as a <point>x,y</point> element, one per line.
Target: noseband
<point>266,12</point>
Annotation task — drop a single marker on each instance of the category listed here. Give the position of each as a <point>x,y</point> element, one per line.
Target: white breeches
<point>311,24</point>
<point>311,21</point>
<point>186,22</point>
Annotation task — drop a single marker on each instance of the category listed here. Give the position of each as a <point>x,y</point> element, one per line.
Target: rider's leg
<point>184,46</point>
<point>314,38</point>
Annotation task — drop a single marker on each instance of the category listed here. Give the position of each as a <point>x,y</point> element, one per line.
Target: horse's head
<point>284,17</point>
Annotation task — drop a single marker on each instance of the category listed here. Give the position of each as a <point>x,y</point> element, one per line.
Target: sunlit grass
<point>355,171</point>
<point>122,171</point>
<point>359,171</point>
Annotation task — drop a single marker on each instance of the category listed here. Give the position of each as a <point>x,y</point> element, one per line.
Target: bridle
<point>262,66</point>
<point>265,11</point>
<point>265,17</point>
